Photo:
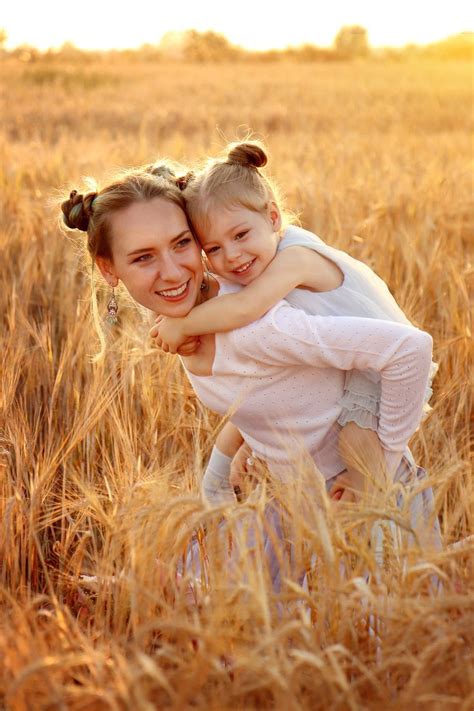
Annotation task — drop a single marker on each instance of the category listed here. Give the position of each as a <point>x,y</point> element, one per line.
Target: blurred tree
<point>352,41</point>
<point>69,51</point>
<point>198,46</point>
<point>460,46</point>
<point>26,53</point>
<point>208,46</point>
<point>3,38</point>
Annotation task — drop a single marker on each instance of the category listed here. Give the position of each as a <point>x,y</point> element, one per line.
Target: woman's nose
<point>170,269</point>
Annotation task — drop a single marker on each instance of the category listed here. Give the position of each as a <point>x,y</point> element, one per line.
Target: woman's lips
<point>178,293</point>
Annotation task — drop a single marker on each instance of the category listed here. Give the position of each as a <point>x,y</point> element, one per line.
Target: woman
<point>284,375</point>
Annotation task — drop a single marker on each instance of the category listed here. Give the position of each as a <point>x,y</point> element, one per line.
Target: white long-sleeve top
<point>282,378</point>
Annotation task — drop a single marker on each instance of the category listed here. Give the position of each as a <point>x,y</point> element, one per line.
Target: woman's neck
<point>209,290</point>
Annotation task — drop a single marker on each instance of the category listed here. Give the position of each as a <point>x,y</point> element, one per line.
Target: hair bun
<point>77,210</point>
<point>248,153</point>
<point>161,170</point>
<point>183,181</point>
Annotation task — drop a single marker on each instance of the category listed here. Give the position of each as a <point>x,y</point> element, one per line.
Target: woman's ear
<point>274,215</point>
<point>107,270</point>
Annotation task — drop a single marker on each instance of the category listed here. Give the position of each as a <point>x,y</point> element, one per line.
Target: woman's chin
<point>177,308</point>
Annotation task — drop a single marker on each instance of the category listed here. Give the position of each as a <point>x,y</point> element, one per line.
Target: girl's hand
<point>168,334</point>
<point>190,346</point>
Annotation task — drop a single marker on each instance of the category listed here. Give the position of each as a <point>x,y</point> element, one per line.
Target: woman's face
<point>156,257</point>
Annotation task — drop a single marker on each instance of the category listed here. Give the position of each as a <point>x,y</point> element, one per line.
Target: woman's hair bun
<point>169,172</point>
<point>161,170</point>
<point>183,181</point>
<point>248,153</point>
<point>78,210</point>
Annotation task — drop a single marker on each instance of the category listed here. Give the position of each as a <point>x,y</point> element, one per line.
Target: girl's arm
<point>400,353</point>
<point>290,268</point>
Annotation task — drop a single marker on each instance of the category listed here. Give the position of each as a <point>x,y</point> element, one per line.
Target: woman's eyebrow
<point>149,249</point>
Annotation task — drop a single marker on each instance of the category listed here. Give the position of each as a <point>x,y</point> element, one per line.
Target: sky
<point>253,24</point>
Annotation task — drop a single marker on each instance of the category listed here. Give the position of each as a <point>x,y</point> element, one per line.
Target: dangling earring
<point>112,309</point>
<point>206,282</point>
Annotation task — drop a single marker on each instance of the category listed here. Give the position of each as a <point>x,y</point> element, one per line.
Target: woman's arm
<point>292,267</point>
<point>229,440</point>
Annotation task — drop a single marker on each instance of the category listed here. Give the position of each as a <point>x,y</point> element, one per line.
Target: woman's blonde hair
<point>234,180</point>
<point>91,213</point>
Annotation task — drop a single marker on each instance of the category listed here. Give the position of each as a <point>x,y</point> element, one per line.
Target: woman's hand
<point>239,466</point>
<point>350,487</point>
<point>168,334</point>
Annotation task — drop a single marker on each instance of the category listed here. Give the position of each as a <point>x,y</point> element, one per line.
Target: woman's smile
<point>156,256</point>
<point>176,294</point>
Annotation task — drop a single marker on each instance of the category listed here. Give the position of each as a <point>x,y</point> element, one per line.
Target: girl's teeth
<point>174,292</point>
<point>244,268</point>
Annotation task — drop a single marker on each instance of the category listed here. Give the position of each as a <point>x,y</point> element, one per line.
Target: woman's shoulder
<point>224,286</point>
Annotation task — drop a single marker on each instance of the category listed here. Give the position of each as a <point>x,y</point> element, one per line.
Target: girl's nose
<point>233,252</point>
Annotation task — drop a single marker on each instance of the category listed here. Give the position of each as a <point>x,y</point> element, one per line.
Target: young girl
<point>236,214</point>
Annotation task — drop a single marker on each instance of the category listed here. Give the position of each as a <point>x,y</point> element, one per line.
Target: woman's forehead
<point>159,221</point>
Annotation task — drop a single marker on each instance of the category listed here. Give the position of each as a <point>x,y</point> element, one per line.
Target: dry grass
<point>100,462</point>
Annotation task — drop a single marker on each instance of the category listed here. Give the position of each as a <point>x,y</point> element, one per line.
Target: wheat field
<point>101,461</point>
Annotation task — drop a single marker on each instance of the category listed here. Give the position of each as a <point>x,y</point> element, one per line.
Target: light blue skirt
<point>270,533</point>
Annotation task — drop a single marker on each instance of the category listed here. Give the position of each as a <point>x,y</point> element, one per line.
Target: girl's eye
<point>212,250</point>
<point>241,235</point>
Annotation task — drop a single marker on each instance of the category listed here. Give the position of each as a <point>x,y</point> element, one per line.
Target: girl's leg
<point>215,485</point>
<point>366,472</point>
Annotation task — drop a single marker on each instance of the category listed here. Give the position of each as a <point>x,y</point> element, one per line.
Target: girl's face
<point>156,257</point>
<point>240,243</point>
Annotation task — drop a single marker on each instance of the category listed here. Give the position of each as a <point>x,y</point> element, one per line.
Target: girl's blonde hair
<point>233,180</point>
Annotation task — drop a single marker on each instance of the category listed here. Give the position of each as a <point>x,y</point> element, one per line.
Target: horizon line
<point>58,47</point>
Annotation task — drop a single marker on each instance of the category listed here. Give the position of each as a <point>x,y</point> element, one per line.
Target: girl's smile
<point>240,243</point>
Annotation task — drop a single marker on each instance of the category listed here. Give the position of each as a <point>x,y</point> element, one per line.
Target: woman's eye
<point>184,242</point>
<point>142,258</point>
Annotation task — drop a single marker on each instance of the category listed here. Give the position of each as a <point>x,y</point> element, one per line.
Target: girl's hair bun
<point>248,153</point>
<point>78,210</point>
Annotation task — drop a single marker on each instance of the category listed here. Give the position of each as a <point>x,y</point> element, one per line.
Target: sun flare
<point>256,26</point>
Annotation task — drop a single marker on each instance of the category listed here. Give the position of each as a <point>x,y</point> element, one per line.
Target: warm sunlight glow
<point>253,25</point>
